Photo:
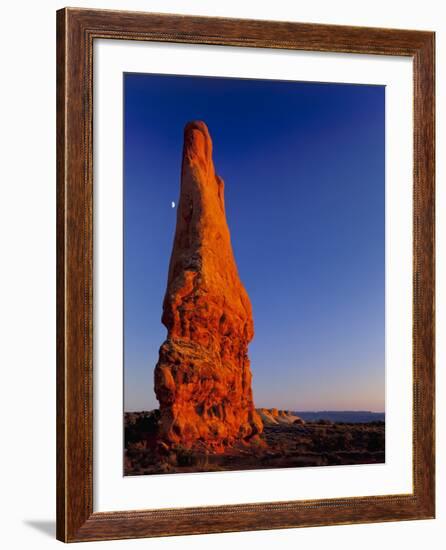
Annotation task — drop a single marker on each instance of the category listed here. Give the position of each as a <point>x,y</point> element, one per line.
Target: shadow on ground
<point>47,527</point>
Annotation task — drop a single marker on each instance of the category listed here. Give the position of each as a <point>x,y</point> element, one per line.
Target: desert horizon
<point>296,410</point>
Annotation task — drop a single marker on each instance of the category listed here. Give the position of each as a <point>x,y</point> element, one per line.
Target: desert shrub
<point>140,426</point>
<point>347,440</point>
<point>377,423</point>
<point>164,468</point>
<point>185,457</point>
<point>376,441</point>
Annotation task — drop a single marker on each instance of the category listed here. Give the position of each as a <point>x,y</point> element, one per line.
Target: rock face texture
<point>274,417</point>
<point>203,376</point>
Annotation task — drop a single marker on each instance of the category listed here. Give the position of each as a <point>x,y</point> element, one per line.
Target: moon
<point>172,204</point>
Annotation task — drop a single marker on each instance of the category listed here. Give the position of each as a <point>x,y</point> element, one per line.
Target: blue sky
<point>303,165</point>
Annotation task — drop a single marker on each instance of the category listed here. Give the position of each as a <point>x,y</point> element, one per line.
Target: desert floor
<point>316,443</point>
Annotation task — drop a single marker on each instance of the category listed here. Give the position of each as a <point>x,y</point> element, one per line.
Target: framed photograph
<point>245,275</point>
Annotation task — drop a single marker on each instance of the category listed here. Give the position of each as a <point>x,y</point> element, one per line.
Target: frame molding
<point>76,31</point>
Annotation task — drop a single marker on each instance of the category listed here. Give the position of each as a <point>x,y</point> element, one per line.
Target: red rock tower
<point>203,375</point>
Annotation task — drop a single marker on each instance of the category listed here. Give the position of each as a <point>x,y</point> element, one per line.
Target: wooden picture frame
<point>76,31</point>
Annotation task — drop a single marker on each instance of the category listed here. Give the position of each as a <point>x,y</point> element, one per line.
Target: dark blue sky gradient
<point>303,165</point>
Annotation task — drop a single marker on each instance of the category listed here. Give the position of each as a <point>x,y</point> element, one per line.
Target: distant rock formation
<point>272,417</point>
<point>203,376</point>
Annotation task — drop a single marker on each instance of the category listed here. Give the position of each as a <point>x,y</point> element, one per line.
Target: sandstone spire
<point>203,376</point>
